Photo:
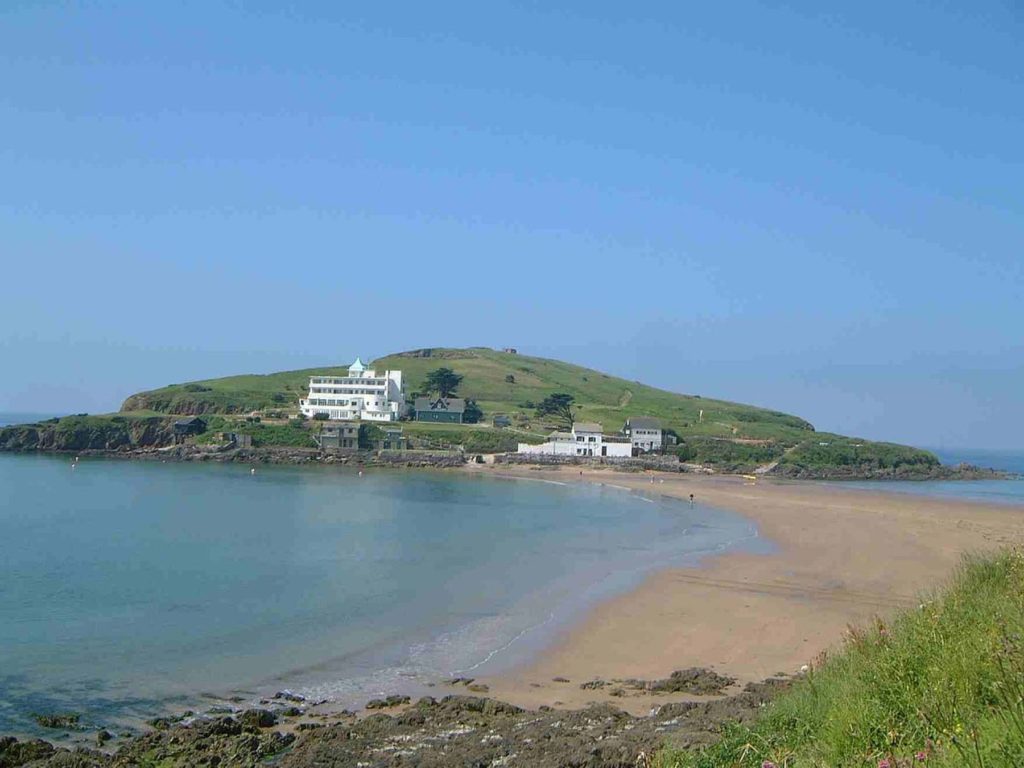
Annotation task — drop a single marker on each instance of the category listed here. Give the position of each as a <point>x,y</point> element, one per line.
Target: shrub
<point>472,414</point>
<point>727,455</point>
<point>829,453</point>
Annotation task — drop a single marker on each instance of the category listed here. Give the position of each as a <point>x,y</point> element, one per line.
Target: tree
<point>560,406</point>
<point>472,414</point>
<point>444,381</point>
<point>369,436</point>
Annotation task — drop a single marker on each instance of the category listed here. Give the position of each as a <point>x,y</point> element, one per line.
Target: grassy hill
<point>728,435</point>
<point>500,383</point>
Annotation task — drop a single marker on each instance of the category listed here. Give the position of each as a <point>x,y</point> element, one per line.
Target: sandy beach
<point>843,557</point>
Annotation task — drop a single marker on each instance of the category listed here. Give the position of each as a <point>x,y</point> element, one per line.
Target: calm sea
<point>129,588</point>
<point>997,491</point>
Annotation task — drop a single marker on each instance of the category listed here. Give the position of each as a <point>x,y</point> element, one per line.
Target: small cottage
<point>338,436</point>
<point>393,440</point>
<point>644,433</point>
<point>448,410</point>
<point>186,428</point>
<point>237,439</point>
<point>585,440</point>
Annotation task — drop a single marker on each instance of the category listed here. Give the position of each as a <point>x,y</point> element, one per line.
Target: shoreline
<point>844,557</point>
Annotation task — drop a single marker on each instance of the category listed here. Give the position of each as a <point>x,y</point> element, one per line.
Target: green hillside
<point>730,436</point>
<point>500,383</point>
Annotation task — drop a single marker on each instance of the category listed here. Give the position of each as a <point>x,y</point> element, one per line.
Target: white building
<point>360,395</point>
<point>644,433</point>
<point>583,440</point>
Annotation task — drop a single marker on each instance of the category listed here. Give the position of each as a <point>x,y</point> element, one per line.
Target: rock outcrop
<point>85,433</point>
<point>455,731</point>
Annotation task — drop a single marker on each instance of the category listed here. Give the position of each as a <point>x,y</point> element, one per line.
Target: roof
<point>189,421</point>
<point>338,426</point>
<point>451,404</point>
<point>357,366</point>
<point>586,426</point>
<point>643,422</point>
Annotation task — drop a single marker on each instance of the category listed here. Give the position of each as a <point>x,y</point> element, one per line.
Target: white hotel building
<point>360,395</point>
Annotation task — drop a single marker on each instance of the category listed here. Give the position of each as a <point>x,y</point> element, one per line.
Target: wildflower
<point>920,756</point>
<point>885,762</point>
<point>768,764</point>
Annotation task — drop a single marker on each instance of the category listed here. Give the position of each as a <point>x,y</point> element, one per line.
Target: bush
<point>830,453</point>
<point>369,436</point>
<point>727,455</point>
<point>472,414</point>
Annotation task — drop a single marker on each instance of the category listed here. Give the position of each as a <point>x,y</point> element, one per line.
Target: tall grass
<point>940,686</point>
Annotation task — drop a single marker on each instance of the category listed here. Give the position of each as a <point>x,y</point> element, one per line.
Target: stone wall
<point>418,458</point>
<point>634,464</point>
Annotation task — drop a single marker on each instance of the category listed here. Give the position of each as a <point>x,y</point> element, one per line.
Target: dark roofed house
<point>501,421</point>
<point>448,410</point>
<point>186,428</point>
<point>644,432</point>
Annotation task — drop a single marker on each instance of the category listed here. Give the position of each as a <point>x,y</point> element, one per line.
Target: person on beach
<point>691,498</point>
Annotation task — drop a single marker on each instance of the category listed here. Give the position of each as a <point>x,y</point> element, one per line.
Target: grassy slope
<point>603,398</point>
<point>718,438</point>
<point>944,683</point>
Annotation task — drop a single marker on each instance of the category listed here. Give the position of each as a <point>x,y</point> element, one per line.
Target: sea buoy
<point>252,471</point>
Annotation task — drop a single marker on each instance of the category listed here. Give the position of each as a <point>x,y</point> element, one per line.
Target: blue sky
<point>818,210</point>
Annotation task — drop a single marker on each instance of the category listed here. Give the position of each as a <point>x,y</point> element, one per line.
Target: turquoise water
<point>995,491</point>
<point>128,588</point>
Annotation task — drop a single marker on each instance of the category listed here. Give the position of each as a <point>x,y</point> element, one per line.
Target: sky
<point>815,209</point>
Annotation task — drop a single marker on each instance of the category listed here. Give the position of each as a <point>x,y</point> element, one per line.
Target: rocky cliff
<point>82,433</point>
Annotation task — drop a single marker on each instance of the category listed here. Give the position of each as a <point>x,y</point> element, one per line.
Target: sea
<point>132,589</point>
<point>1002,491</point>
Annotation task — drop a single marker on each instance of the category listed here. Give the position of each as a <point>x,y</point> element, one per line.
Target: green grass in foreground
<point>941,686</point>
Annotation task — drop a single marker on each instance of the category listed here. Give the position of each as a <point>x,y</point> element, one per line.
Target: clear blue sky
<point>817,210</point>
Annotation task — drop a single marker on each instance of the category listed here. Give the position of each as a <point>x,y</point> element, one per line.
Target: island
<point>461,404</point>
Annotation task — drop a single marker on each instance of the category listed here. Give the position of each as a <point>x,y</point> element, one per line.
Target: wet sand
<point>844,557</point>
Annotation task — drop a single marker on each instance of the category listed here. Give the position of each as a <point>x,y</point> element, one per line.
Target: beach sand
<point>844,557</point>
